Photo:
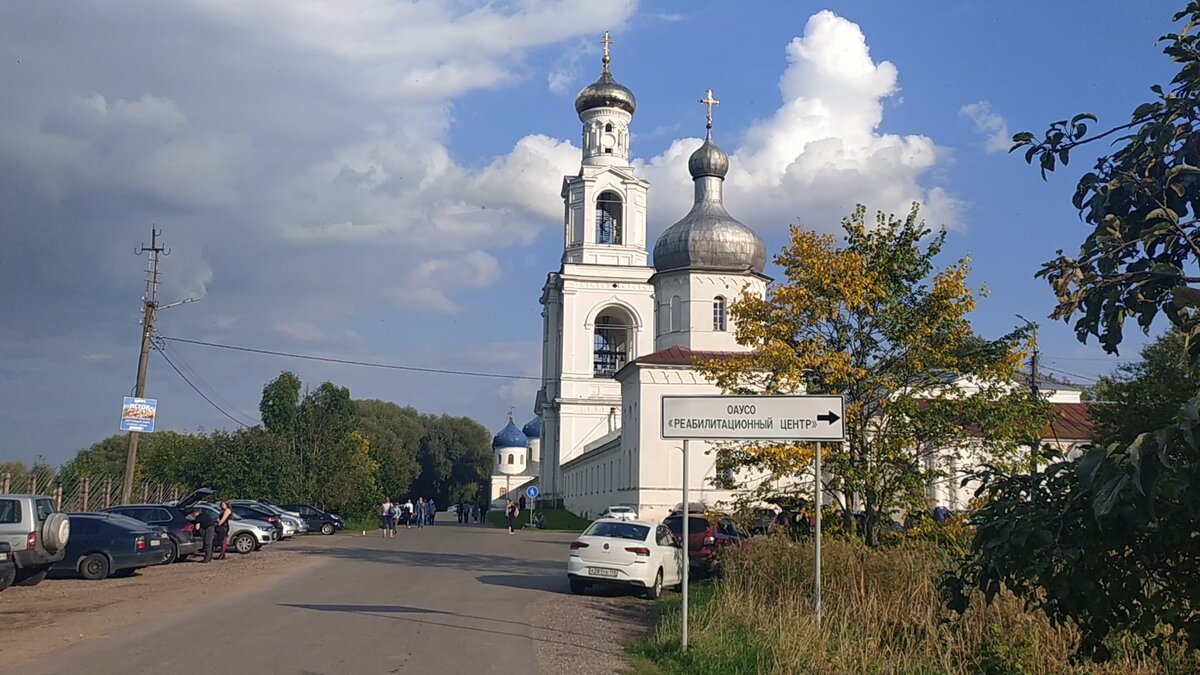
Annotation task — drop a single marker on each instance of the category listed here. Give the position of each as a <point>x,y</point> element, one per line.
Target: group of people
<point>213,529</point>
<point>418,515</point>
<point>468,513</point>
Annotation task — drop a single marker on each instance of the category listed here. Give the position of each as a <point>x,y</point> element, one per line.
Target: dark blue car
<point>109,544</point>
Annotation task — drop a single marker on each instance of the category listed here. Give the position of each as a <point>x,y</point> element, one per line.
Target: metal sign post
<point>817,533</point>
<point>687,562</point>
<point>752,418</point>
<point>532,493</point>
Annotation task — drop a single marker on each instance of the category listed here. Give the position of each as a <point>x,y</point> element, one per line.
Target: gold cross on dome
<point>709,102</point>
<point>607,44</point>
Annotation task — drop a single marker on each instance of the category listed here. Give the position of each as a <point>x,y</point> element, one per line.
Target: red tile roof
<point>1072,421</point>
<point>681,356</point>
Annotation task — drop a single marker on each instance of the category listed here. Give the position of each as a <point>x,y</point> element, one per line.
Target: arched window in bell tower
<point>719,314</point>
<point>610,342</point>
<point>608,218</point>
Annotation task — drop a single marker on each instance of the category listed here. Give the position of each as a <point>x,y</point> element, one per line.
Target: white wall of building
<point>685,302</point>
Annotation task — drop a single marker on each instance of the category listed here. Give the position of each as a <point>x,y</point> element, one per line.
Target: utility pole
<point>149,307</point>
<point>1034,390</point>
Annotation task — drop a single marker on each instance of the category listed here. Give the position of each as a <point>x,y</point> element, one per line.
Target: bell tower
<point>604,219</point>
<point>598,309</point>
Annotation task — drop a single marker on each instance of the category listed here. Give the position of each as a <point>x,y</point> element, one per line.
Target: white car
<point>630,552</point>
<point>620,513</point>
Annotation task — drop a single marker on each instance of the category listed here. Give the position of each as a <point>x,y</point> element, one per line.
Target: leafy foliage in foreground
<point>873,319</point>
<point>1111,543</point>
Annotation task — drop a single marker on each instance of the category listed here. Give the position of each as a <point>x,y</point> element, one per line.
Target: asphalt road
<point>448,599</point>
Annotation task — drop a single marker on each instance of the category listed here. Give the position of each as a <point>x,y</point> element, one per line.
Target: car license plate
<point>155,542</point>
<point>602,572</point>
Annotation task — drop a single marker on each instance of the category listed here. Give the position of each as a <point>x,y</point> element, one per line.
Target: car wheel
<point>94,567</point>
<point>578,586</point>
<point>172,552</point>
<point>654,592</point>
<point>327,528</point>
<point>30,578</point>
<point>7,574</point>
<point>244,543</point>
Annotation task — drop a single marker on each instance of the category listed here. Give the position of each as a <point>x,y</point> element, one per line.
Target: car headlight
<point>262,528</point>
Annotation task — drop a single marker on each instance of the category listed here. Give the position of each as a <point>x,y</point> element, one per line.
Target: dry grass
<point>882,614</point>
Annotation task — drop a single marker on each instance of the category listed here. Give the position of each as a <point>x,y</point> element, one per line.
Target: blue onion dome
<point>533,428</point>
<point>510,437</point>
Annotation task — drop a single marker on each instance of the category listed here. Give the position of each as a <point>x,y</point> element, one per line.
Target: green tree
<point>1107,542</point>
<point>394,434</point>
<point>455,458</point>
<point>1147,394</point>
<point>874,321</point>
<point>280,405</point>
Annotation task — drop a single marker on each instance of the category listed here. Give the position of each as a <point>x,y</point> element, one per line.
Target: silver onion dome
<point>605,92</point>
<point>708,237</point>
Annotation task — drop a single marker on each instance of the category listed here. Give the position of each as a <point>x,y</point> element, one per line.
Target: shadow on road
<point>503,627</point>
<point>476,562</point>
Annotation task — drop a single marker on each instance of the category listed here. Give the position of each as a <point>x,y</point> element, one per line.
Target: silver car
<point>246,534</point>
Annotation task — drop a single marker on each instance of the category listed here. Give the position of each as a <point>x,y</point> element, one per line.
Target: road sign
<point>753,418</point>
<point>531,492</point>
<point>137,414</point>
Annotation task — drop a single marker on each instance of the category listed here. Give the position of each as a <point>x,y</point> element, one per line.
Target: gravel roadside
<point>587,634</point>
<point>62,611</point>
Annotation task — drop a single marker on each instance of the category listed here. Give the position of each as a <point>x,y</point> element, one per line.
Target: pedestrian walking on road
<point>387,517</point>
<point>222,530</point>
<point>511,510</point>
<point>420,513</point>
<point>406,512</point>
<point>207,523</point>
<point>431,509</point>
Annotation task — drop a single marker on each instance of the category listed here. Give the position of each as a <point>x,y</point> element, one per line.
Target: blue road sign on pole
<point>531,492</point>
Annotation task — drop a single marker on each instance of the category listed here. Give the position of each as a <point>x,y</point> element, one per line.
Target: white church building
<point>619,332</point>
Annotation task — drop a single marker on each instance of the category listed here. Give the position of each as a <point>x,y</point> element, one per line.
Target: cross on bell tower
<point>607,43</point>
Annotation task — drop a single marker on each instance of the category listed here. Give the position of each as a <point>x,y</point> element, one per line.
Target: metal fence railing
<point>88,492</point>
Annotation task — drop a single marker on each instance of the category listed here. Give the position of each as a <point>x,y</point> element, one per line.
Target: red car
<point>707,535</point>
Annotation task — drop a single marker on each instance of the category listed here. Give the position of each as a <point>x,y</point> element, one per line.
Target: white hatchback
<point>630,552</point>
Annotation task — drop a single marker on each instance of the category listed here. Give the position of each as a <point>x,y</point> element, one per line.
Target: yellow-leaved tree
<point>872,319</point>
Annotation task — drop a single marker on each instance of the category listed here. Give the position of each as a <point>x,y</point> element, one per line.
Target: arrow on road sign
<point>831,417</point>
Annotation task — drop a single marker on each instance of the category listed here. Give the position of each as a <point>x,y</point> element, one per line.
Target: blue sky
<point>379,182</point>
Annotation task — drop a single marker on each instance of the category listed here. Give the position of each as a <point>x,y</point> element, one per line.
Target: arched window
<point>497,460</point>
<point>610,343</point>
<point>510,459</point>
<point>719,313</point>
<point>608,218</point>
<point>676,313</point>
<point>608,127</point>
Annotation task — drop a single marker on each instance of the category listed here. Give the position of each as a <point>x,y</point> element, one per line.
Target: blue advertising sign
<point>137,414</point>
<point>531,492</point>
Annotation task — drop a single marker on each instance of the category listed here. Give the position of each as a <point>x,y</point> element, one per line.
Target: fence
<point>87,493</point>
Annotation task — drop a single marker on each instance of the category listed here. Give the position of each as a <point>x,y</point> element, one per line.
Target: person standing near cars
<point>222,529</point>
<point>386,517</point>
<point>207,524</point>
<point>420,512</point>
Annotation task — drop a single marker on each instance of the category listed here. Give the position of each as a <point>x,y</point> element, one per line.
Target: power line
<point>351,362</point>
<point>1087,378</point>
<point>200,378</point>
<point>197,389</point>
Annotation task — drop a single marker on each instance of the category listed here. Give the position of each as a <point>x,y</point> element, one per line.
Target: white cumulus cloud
<point>990,124</point>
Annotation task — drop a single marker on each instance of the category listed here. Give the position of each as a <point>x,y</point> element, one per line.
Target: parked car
<point>184,538</point>
<point>620,513</point>
<point>298,524</point>
<point>707,536</point>
<point>759,520</point>
<point>104,544</point>
<point>256,511</point>
<point>316,519</point>
<point>8,568</point>
<point>245,534</point>
<point>37,534</point>
<point>630,552</point>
